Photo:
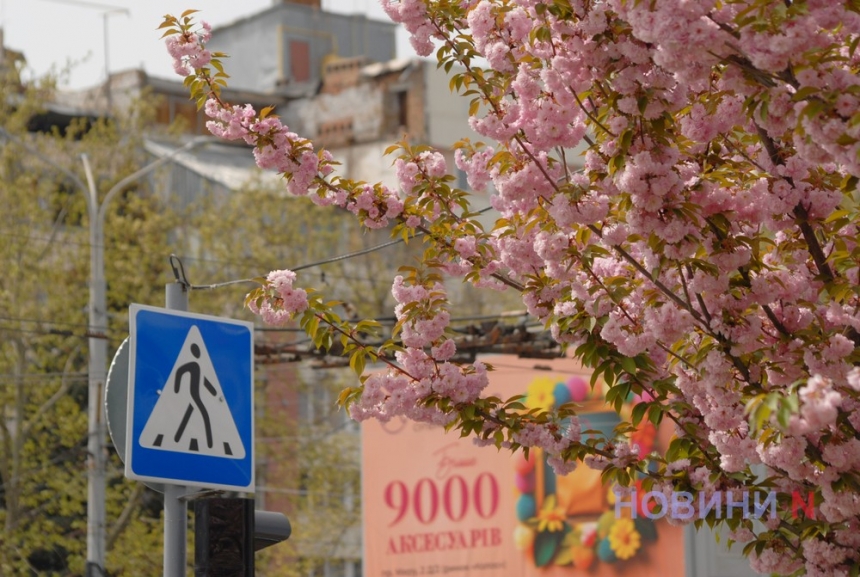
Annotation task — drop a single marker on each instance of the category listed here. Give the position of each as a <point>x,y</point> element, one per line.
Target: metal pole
<point>96,457</point>
<point>175,508</point>
<point>108,89</point>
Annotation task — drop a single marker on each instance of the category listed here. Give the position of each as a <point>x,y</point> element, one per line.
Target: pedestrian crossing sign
<point>191,400</point>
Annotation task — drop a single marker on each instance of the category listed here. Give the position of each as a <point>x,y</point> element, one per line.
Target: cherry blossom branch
<point>488,98</point>
<point>673,178</point>
<point>590,115</point>
<point>800,212</point>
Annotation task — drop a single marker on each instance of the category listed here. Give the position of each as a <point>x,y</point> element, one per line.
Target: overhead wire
<point>334,259</point>
<point>179,272</point>
<point>46,375</point>
<point>305,266</point>
<point>44,332</point>
<point>26,320</point>
<point>85,334</point>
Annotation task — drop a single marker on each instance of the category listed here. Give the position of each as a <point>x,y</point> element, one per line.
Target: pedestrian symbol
<point>190,415</point>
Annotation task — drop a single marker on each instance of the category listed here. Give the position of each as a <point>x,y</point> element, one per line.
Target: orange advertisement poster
<point>436,504</point>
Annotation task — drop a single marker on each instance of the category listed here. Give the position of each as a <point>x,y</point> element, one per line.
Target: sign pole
<point>179,360</point>
<point>175,508</point>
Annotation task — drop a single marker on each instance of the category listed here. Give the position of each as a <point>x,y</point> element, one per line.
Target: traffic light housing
<point>227,532</point>
<point>270,528</point>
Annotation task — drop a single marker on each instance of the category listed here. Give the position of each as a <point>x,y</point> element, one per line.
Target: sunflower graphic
<point>540,394</point>
<point>624,538</point>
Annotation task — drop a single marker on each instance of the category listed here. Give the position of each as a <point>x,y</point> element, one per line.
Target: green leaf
<point>629,365</point>
<point>564,556</point>
<point>646,528</point>
<point>805,93</point>
<point>546,547</point>
<point>356,362</point>
<point>656,415</point>
<point>638,412</point>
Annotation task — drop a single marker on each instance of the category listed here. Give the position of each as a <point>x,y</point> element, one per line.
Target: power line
<point>48,383</point>
<point>305,266</point>
<point>128,247</point>
<point>40,376</point>
<point>334,259</point>
<point>26,320</point>
<point>354,254</point>
<point>62,333</point>
<point>113,246</point>
<point>496,337</point>
<point>48,332</point>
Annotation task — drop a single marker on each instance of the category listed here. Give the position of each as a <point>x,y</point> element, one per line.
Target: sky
<point>55,33</point>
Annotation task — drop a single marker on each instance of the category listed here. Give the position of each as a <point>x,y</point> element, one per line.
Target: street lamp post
<point>97,332</point>
<point>96,458</point>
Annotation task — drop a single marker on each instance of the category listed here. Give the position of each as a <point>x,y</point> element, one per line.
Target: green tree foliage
<point>44,253</point>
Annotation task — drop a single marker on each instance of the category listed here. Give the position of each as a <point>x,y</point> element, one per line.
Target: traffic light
<point>227,532</point>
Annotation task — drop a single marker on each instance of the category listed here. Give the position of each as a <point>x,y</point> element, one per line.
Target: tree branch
<point>65,385</point>
<point>125,516</point>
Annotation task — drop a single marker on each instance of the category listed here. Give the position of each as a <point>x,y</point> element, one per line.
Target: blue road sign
<point>190,400</point>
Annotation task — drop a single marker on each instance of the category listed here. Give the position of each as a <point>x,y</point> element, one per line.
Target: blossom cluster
<point>188,49</point>
<point>424,363</point>
<point>413,15</point>
<point>275,146</point>
<point>281,302</point>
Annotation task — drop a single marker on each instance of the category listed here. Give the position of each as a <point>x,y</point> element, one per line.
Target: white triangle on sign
<point>191,415</point>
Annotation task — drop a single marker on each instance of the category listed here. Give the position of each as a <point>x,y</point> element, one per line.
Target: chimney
<point>312,3</point>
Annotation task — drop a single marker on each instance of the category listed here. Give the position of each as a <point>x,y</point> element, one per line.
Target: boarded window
<point>396,112</point>
<point>403,108</point>
<point>300,61</point>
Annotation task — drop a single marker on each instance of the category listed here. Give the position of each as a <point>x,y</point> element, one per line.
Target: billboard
<point>436,504</point>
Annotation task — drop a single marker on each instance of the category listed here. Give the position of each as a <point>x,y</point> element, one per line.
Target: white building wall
<point>368,162</point>
<point>362,104</point>
<point>447,112</point>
